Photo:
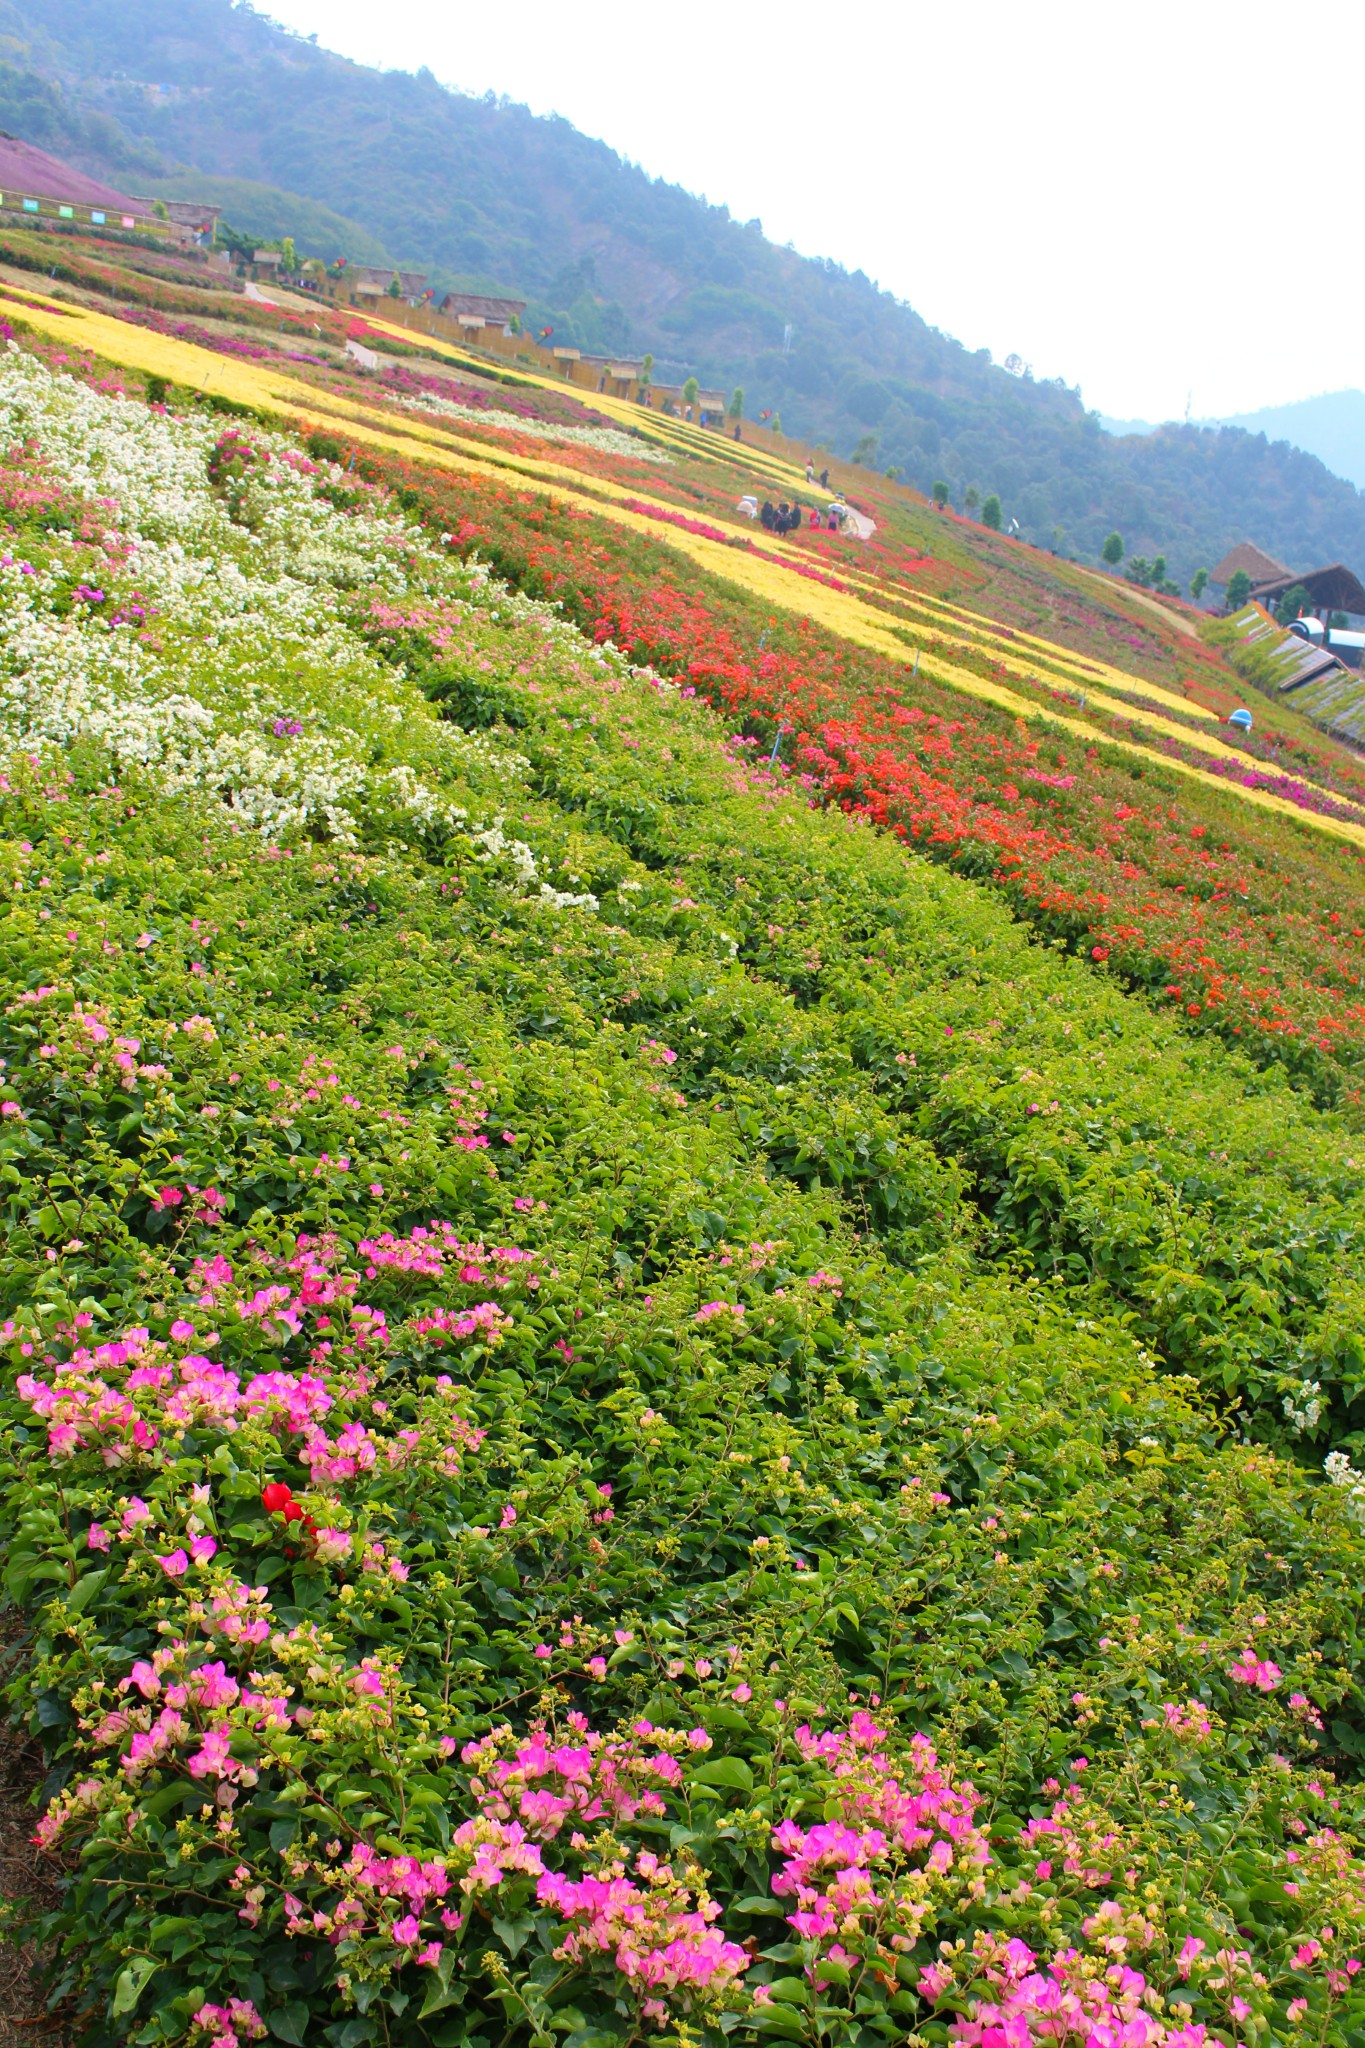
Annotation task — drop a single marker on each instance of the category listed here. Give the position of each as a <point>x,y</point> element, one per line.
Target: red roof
<point>26,171</point>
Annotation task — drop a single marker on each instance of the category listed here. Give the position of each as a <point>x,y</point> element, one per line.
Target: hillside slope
<point>481,190</point>
<point>569,1301</point>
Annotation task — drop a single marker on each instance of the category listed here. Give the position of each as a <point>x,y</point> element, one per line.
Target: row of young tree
<point>992,513</point>
<point>1152,575</point>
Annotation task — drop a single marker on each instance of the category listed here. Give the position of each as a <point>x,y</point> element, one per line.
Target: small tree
<point>1159,571</point>
<point>691,391</point>
<point>288,259</point>
<point>895,473</point>
<point>990,512</point>
<point>737,403</point>
<point>1112,551</point>
<point>971,498</point>
<point>777,423</point>
<point>865,449</point>
<point>1140,571</point>
<point>1293,602</point>
<point>1239,589</point>
<point>395,286</point>
<point>514,324</point>
<point>939,494</point>
<point>646,373</point>
<point>1199,583</point>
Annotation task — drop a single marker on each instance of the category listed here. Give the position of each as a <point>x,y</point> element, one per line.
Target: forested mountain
<point>481,191</point>
<point>1331,427</point>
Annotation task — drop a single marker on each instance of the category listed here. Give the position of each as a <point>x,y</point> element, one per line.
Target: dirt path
<point>25,1878</point>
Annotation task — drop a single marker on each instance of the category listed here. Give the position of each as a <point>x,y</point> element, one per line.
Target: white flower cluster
<point>494,843</point>
<point>216,656</point>
<point>606,439</point>
<point>1304,1413</point>
<point>1341,1472</point>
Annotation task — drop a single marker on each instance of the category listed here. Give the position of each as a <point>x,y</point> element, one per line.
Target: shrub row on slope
<point>533,1520</point>
<point>1250,926</point>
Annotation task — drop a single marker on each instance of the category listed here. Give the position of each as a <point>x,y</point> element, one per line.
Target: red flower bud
<point>276,1497</point>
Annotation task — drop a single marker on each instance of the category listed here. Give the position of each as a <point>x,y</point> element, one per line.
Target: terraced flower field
<point>645,1398</point>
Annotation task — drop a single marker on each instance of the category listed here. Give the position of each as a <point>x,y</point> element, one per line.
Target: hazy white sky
<point>1157,202</point>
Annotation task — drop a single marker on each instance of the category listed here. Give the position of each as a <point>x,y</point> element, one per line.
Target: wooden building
<point>371,282</point>
<point>475,311</point>
<point>1259,566</point>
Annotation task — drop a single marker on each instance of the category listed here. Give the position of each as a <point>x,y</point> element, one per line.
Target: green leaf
<point>440,1991</point>
<point>290,2023</point>
<point>731,1771</point>
<point>84,1590</point>
<point>779,2020</point>
<point>514,1934</point>
<point>791,1990</point>
<point>128,1987</point>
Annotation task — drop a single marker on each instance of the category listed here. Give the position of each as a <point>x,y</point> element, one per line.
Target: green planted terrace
<point>632,1412</point>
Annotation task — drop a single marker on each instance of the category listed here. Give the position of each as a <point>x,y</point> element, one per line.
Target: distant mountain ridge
<point>1331,426</point>
<point>481,192</point>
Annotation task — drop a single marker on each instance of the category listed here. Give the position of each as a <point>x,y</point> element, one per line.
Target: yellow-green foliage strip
<point>1085,670</point>
<point>843,612</point>
<point>685,438</point>
<point>642,419</point>
<point>983,634</point>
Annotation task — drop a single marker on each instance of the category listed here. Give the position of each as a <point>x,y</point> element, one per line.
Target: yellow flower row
<point>843,612</point>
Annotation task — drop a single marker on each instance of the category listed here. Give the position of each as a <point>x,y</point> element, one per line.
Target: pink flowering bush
<point>578,1463</point>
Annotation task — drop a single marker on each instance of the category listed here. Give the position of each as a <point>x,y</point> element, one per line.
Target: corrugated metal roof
<point>1316,683</point>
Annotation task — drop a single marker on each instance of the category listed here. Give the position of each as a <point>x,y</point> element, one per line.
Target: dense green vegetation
<point>480,191</point>
<point>570,1312</point>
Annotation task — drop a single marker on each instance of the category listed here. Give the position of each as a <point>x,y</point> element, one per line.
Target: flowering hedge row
<point>1250,927</point>
<point>536,1513</point>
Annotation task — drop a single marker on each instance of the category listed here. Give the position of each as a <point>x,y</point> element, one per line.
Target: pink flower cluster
<point>121,1398</point>
<point>429,1253</point>
<point>658,1937</point>
<point>649,1926</point>
<point>195,1703</point>
<point>1257,1672</point>
<point>889,1824</point>
<point>1077,1832</point>
<point>1188,1722</point>
<point>230,2025</point>
<point>597,1778</point>
<point>1068,2002</point>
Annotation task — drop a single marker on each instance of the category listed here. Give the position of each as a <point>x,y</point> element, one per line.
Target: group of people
<point>785,518</point>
